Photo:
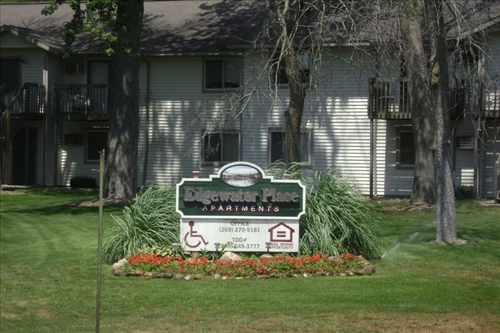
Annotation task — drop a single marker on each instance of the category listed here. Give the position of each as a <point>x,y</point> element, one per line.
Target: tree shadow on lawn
<point>65,208</point>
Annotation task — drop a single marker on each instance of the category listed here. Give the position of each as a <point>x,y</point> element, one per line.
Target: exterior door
<point>98,74</point>
<point>24,157</point>
<point>10,76</point>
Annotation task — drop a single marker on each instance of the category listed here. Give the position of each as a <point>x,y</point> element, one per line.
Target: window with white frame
<point>405,151</point>
<point>222,74</point>
<point>278,69</point>
<point>221,147</point>
<point>95,141</point>
<point>277,146</point>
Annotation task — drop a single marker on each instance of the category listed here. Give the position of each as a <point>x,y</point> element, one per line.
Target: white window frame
<point>304,133</point>
<point>304,59</point>
<point>404,150</point>
<point>223,74</point>
<point>220,148</point>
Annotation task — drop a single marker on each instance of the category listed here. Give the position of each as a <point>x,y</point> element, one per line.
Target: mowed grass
<point>49,278</point>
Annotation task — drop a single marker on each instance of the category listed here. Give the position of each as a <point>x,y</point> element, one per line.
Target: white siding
<point>179,112</point>
<point>8,40</point>
<point>71,158</point>
<point>336,112</point>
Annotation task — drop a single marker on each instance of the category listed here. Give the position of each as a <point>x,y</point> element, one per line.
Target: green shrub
<point>82,182</point>
<point>464,192</point>
<point>338,218</point>
<point>149,222</point>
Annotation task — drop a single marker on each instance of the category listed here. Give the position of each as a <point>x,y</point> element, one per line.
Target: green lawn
<point>48,280</point>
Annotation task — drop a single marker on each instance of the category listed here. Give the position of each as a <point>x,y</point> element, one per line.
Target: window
<point>96,140</point>
<point>468,52</point>
<point>222,74</point>
<point>280,77</point>
<point>221,147</point>
<point>277,146</point>
<point>405,153</point>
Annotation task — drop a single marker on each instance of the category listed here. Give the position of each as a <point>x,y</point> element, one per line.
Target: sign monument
<point>240,209</point>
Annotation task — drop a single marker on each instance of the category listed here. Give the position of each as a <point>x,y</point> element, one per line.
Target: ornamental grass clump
<point>150,221</point>
<point>338,218</point>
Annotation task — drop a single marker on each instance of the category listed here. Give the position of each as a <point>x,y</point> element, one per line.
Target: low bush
<point>464,192</point>
<point>82,182</point>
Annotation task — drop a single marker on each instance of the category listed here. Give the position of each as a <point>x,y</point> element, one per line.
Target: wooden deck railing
<point>80,101</point>
<point>489,97</point>
<point>389,98</point>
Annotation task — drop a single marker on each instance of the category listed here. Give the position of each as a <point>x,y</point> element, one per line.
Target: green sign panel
<point>239,190</point>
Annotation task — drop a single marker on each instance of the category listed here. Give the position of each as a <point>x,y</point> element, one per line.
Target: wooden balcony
<point>389,98</point>
<point>489,97</point>
<point>29,102</point>
<point>80,102</point>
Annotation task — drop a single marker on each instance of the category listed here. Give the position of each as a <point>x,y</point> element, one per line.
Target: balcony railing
<point>389,98</point>
<point>80,102</point>
<point>489,97</point>
<point>29,101</point>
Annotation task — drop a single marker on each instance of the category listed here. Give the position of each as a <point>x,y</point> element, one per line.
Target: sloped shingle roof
<point>190,26</point>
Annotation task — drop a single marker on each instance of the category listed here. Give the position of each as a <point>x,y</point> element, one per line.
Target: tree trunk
<point>284,16</point>
<point>424,186</point>
<point>439,86</point>
<point>123,137</point>
<point>293,116</point>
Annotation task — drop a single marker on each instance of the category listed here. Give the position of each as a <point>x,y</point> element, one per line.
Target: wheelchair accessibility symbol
<point>189,238</point>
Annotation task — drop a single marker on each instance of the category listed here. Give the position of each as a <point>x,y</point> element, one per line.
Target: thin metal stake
<point>99,245</point>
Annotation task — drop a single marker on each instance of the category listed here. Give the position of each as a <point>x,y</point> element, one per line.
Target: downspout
<point>46,119</point>
<point>146,149</point>
<point>56,151</point>
<point>478,156</point>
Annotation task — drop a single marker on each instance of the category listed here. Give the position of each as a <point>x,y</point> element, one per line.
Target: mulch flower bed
<point>230,266</point>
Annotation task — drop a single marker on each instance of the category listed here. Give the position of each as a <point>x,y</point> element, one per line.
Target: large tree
<point>425,54</point>
<point>439,91</point>
<point>421,35</point>
<point>119,24</point>
<point>416,68</point>
<point>296,33</point>
<point>285,18</point>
